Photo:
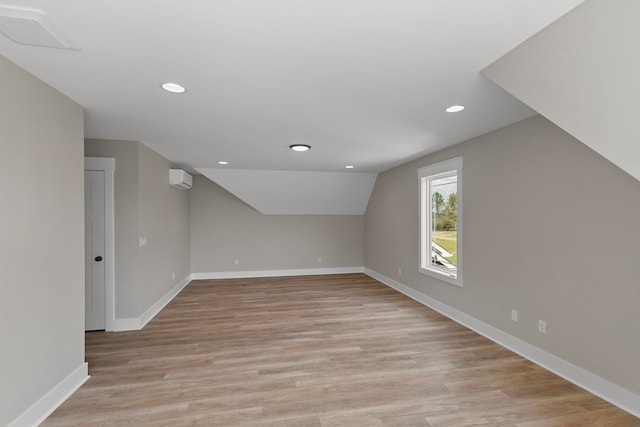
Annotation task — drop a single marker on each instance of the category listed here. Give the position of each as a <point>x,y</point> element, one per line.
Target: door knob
<point>98,258</point>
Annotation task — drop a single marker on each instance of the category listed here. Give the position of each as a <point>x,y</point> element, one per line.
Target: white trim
<point>123,324</point>
<point>137,323</point>
<point>48,403</point>
<point>593,383</point>
<point>275,273</point>
<point>108,166</point>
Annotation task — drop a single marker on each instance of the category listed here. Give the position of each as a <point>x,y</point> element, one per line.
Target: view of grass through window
<point>448,241</point>
<point>444,213</point>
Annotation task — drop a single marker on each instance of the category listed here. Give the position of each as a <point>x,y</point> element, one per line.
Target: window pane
<point>441,222</point>
<point>444,213</point>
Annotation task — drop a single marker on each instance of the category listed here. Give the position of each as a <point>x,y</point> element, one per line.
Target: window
<point>441,220</point>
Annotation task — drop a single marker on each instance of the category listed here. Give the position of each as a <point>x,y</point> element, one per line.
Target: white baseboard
<point>137,323</point>
<point>126,324</point>
<point>275,273</point>
<point>162,302</point>
<point>595,384</point>
<point>48,403</point>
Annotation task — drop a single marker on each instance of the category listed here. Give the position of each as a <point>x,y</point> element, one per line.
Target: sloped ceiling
<point>583,73</point>
<point>297,192</point>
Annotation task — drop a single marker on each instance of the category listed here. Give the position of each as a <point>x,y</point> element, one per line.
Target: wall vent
<point>31,27</point>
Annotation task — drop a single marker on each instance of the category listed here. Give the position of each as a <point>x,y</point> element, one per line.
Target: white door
<point>94,252</point>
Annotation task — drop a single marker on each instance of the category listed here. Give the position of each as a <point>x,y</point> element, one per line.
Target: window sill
<point>443,276</point>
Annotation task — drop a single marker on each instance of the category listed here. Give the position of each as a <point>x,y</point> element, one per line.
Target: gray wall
<point>550,229</point>
<point>223,228</point>
<point>145,205</point>
<point>165,222</point>
<point>41,239</point>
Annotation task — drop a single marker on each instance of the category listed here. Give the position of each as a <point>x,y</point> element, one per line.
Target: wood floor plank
<point>338,350</point>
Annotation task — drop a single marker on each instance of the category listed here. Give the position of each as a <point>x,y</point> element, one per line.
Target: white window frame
<point>425,176</point>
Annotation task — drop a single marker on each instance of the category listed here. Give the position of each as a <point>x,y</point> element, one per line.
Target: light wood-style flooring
<point>338,350</point>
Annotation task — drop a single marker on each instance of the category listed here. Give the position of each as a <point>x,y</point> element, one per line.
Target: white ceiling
<point>364,82</point>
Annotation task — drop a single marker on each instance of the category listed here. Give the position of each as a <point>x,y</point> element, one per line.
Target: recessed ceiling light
<point>349,167</point>
<point>222,162</point>
<point>455,108</point>
<point>300,147</point>
<point>173,87</point>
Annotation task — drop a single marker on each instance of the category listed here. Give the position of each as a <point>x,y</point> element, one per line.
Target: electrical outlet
<point>173,276</point>
<point>399,271</point>
<point>514,315</point>
<point>542,326</point>
<point>236,261</point>
<point>319,259</point>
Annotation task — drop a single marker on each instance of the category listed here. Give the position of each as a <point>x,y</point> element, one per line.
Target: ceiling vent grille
<point>31,27</point>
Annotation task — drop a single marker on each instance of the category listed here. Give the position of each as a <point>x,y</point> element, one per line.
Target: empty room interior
<point>320,213</point>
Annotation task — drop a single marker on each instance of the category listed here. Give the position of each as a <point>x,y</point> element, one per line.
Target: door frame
<point>108,166</point>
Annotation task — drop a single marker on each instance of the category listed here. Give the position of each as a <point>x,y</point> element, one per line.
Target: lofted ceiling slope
<point>364,82</point>
<point>272,192</point>
<point>581,73</point>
